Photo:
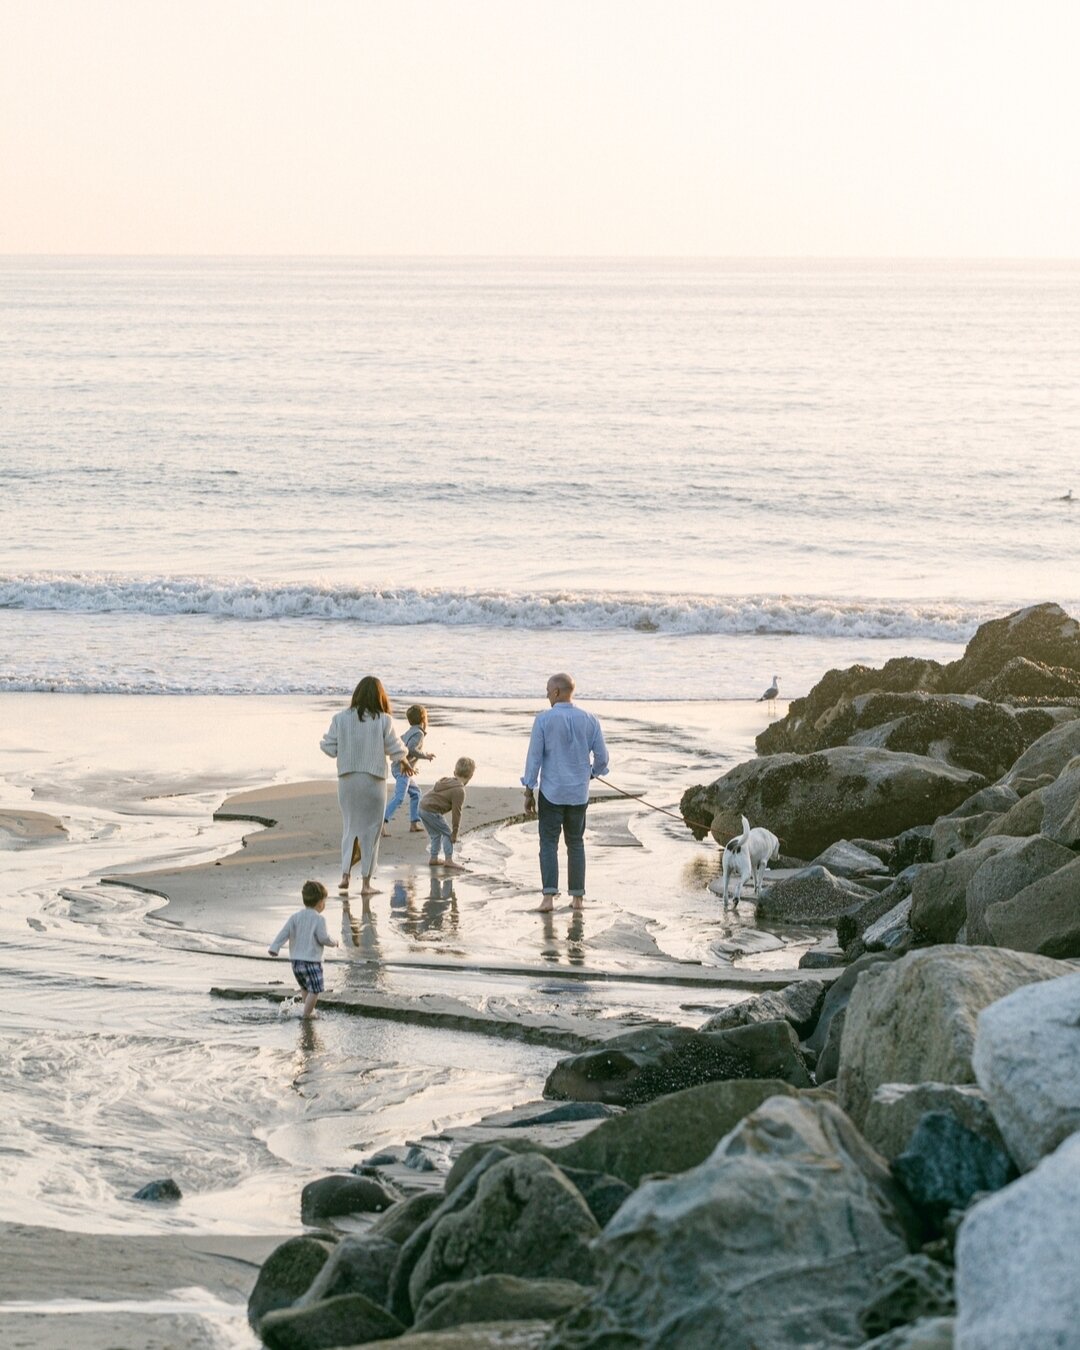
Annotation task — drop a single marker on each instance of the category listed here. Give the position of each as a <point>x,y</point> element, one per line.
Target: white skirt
<point>362,798</point>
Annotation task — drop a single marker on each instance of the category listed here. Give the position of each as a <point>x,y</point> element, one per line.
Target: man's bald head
<point>560,687</point>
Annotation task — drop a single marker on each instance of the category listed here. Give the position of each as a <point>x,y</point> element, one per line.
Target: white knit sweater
<point>362,746</point>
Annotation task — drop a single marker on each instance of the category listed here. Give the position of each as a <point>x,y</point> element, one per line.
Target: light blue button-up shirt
<point>566,750</point>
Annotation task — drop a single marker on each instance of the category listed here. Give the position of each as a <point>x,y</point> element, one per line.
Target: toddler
<point>413,738</point>
<point>305,931</point>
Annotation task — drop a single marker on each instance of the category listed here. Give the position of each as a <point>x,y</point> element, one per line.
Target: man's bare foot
<point>546,905</point>
<point>577,902</point>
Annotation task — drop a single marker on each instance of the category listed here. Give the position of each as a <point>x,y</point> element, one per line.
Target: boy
<point>305,931</point>
<point>414,742</point>
<point>448,794</point>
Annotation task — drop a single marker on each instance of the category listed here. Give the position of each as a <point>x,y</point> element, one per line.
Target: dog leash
<point>652,807</point>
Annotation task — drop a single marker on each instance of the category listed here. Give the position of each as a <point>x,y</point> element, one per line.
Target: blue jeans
<point>439,832</point>
<point>401,786</point>
<point>568,821</point>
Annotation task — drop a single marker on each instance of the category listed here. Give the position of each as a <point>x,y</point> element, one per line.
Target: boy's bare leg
<point>309,1005</point>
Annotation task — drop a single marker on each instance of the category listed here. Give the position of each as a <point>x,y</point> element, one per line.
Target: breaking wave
<point>254,601</point>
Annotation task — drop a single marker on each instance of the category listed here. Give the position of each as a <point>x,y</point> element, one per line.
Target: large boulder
<point>1021,680</point>
<point>811,801</point>
<point>944,1165</point>
<point>896,1108</point>
<point>811,895</point>
<point>1049,754</point>
<point>845,859</point>
<point>1040,633</point>
<point>399,1222</point>
<point>525,1219</point>
<point>337,1195</point>
<point>1061,806</point>
<point>286,1275</point>
<point>1042,918</point>
<point>1004,875</point>
<point>967,732</point>
<point>357,1265</point>
<point>349,1319</point>
<point>1027,1061</point>
<point>771,1242</point>
<point>1016,1282</point>
<point>913,1020</point>
<point>939,890</point>
<point>641,1065</point>
<point>494,1298</point>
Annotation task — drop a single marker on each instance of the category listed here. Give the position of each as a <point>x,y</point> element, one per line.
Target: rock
<point>910,1288</point>
<point>997,798</point>
<point>945,1164</point>
<point>844,859</point>
<point>892,930</point>
<point>913,846</point>
<point>952,835</point>
<point>414,1247</point>
<point>855,922</point>
<point>1027,1061</point>
<point>525,1219</point>
<point>350,1319</point>
<point>1044,917</point>
<point>839,994</point>
<point>357,1265</point>
<point>798,1004</point>
<point>1048,755</point>
<point>332,1196</point>
<point>939,890</point>
<point>1016,1283</point>
<point>1020,678</point>
<point>1061,806</point>
<point>1004,875</point>
<point>417,1159</point>
<point>1023,819</point>
<point>602,1192</point>
<point>493,1298</point>
<point>1040,633</point>
<point>811,801</point>
<point>165,1189</point>
<point>928,1333</point>
<point>286,1275</point>
<point>400,1221</point>
<point>547,1113</point>
<point>720,1255</point>
<point>896,1108</point>
<point>641,1065</point>
<point>822,955</point>
<point>828,1062</point>
<point>812,895</point>
<point>884,849</point>
<point>913,1020</point>
<point>670,1134</point>
<point>967,732</point>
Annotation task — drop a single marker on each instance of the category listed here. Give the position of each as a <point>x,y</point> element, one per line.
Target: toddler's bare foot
<point>385,831</point>
<point>416,829</point>
<point>433,862</point>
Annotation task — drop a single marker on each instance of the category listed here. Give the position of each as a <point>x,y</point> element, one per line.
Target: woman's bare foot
<point>343,884</point>
<point>368,889</point>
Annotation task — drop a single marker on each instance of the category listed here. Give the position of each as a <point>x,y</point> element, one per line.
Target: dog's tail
<point>745,831</point>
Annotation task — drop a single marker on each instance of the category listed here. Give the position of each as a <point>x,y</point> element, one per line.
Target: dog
<point>749,855</point>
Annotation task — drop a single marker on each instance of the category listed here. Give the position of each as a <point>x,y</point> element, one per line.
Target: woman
<point>360,739</point>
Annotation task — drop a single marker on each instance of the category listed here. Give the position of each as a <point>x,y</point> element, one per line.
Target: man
<point>566,751</point>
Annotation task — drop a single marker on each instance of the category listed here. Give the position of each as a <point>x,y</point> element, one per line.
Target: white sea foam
<point>643,612</point>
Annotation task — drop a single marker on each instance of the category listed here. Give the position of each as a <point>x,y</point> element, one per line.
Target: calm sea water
<point>675,478</point>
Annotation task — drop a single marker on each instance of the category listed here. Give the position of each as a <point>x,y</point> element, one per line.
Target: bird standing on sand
<point>770,694</point>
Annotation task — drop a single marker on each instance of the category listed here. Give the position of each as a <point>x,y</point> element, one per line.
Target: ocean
<point>674,478</point>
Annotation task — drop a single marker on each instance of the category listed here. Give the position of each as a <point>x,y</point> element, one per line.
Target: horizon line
<point>579,257</point>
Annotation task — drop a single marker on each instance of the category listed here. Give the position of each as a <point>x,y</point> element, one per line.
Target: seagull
<point>1067,498</point>
<point>770,694</point>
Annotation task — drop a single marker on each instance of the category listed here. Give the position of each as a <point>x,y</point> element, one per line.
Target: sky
<point>558,127</point>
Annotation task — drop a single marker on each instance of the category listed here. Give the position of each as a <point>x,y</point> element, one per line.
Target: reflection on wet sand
<point>551,945</point>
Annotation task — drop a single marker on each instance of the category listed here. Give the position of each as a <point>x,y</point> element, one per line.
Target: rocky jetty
<point>888,1158</point>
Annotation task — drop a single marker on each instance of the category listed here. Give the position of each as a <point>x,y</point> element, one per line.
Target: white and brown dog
<point>749,856</point>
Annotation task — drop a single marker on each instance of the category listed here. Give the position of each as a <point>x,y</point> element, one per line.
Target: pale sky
<point>681,127</point>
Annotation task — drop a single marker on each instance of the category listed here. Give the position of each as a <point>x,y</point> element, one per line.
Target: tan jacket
<point>448,794</point>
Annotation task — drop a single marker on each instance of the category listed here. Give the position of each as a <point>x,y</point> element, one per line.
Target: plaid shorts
<point>308,976</point>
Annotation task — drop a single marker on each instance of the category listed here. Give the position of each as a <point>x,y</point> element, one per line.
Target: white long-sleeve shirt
<point>306,933</point>
<point>361,745</point>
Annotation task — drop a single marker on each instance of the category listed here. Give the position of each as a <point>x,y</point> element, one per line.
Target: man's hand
<point>530,802</point>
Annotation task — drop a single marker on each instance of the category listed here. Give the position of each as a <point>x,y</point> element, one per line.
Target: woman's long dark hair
<point>369,696</point>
